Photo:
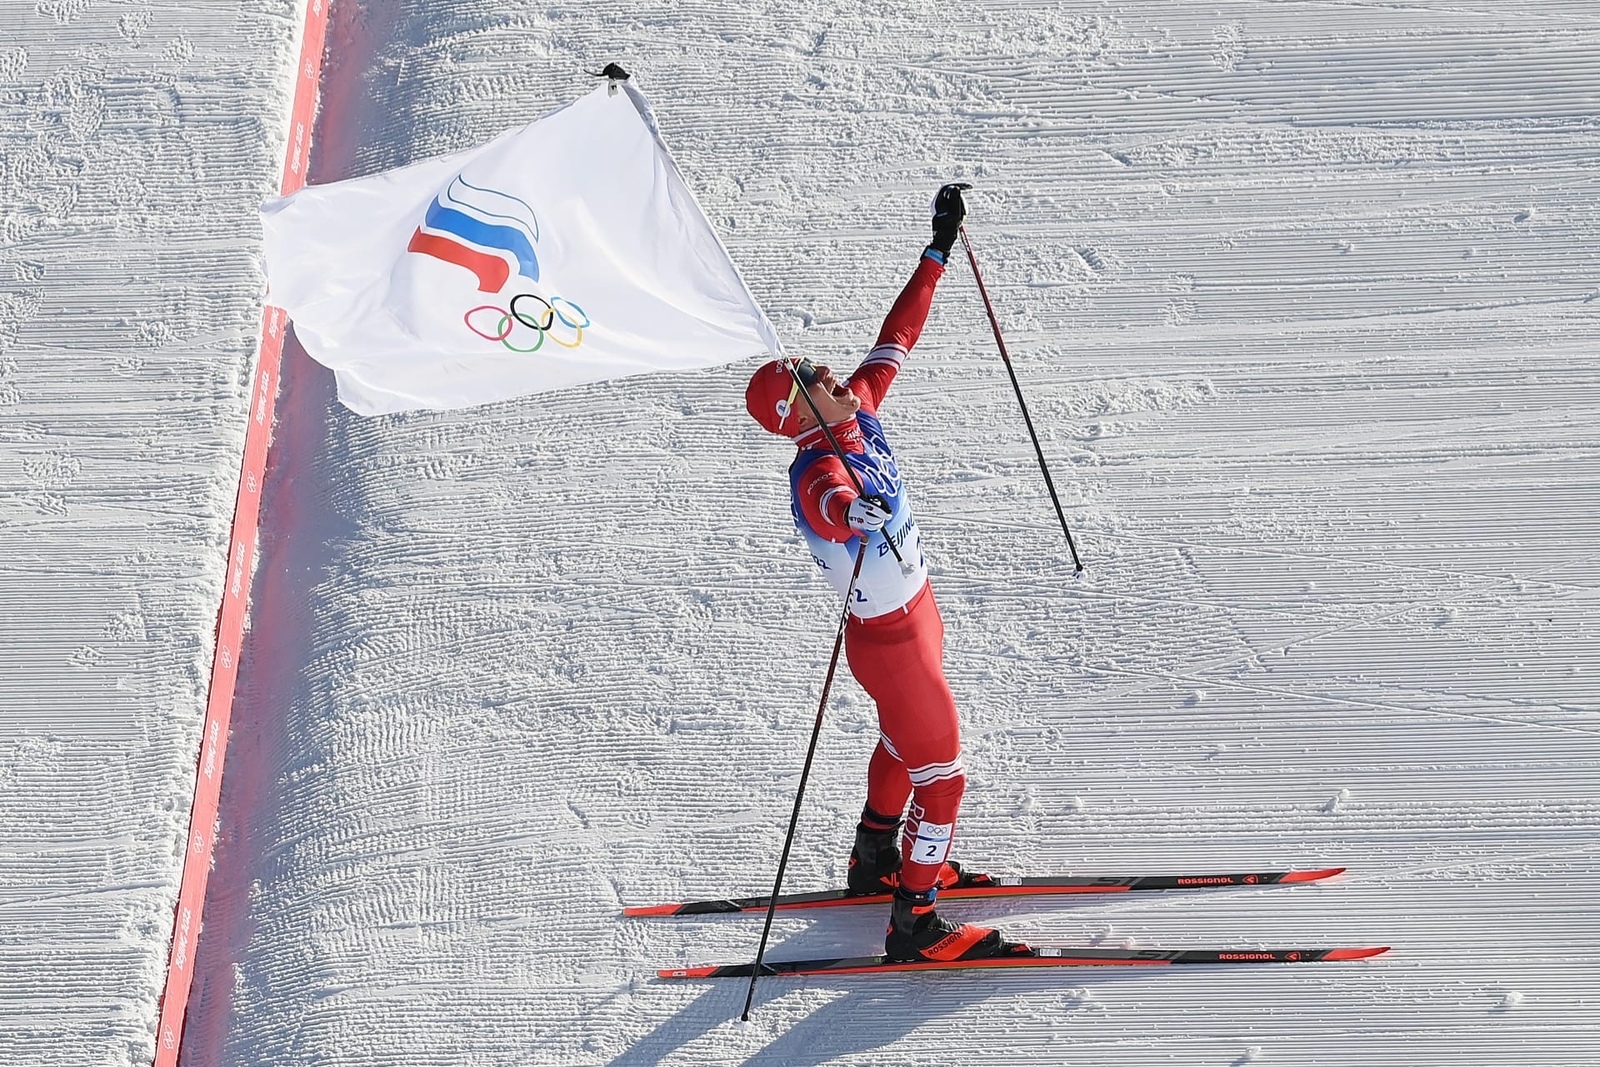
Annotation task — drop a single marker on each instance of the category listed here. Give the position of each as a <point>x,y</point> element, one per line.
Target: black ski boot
<point>875,860</point>
<point>917,933</point>
<point>875,865</point>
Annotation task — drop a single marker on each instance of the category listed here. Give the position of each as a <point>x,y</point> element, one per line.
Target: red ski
<point>1034,957</point>
<point>983,887</point>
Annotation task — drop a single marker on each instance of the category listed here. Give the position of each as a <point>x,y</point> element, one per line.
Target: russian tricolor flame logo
<point>483,230</point>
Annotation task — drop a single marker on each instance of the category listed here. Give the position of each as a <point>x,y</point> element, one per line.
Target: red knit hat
<point>770,398</point>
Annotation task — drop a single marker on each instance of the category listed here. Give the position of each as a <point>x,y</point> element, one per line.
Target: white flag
<point>566,252</point>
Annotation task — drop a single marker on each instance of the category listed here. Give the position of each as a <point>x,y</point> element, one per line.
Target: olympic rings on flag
<point>506,321</point>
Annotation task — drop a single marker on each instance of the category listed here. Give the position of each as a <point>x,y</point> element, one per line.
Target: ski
<point>983,887</point>
<point>1033,957</point>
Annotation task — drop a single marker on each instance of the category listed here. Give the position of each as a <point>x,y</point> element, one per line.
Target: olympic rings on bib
<point>541,321</point>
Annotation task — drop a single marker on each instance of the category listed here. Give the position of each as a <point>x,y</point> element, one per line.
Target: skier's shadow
<point>873,1012</point>
<point>849,1028</point>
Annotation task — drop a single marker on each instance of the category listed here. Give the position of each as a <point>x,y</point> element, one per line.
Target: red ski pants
<point>899,661</point>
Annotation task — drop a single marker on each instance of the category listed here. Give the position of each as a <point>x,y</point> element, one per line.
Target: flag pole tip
<point>612,71</point>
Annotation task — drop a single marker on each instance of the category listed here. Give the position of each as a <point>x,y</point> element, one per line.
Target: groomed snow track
<point>1304,296</point>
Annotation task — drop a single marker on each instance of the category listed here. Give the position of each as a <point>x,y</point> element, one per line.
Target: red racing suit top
<point>821,490</point>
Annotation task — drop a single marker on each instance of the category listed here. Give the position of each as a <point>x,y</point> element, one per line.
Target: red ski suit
<point>894,640</point>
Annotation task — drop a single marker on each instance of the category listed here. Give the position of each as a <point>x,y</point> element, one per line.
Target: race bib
<point>933,842</point>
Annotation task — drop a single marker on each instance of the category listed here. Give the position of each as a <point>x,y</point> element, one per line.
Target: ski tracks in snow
<point>1304,297</point>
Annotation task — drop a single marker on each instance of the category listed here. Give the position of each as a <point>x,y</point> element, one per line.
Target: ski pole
<point>805,773</point>
<point>1023,404</point>
<point>838,450</point>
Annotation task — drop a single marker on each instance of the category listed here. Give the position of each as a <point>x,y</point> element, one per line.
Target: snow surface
<point>135,142</point>
<point>1305,296</point>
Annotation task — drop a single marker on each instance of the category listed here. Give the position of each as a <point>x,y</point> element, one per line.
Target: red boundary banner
<point>235,595</point>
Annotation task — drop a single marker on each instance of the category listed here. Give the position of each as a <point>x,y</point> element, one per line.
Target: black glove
<point>948,212</point>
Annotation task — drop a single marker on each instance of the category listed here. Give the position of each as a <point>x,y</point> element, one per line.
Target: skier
<point>894,639</point>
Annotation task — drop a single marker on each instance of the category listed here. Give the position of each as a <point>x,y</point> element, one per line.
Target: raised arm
<point>906,318</point>
<point>900,331</point>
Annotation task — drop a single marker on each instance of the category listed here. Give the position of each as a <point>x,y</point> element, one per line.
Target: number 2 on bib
<point>933,842</point>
